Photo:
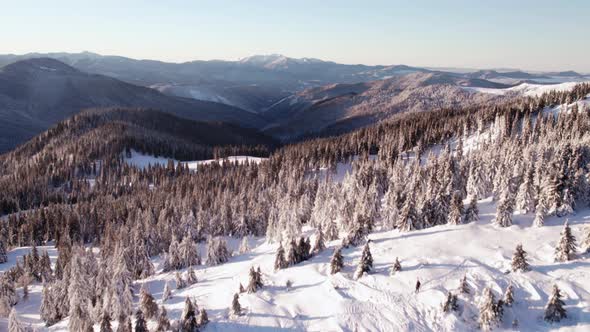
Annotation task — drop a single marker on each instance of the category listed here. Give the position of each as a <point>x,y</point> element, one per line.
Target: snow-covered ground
<point>143,160</point>
<point>526,89</point>
<point>438,256</point>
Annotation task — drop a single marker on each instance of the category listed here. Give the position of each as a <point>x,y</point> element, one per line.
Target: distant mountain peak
<point>39,65</point>
<point>272,61</point>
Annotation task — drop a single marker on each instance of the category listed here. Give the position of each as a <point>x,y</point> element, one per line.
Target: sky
<point>523,34</point>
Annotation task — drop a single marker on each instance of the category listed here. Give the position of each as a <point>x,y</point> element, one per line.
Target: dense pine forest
<point>71,187</point>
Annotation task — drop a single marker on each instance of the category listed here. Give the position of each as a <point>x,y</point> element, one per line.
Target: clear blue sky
<point>527,34</point>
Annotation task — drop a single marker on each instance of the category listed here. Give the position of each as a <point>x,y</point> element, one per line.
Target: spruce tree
<point>140,323</point>
<point>180,282</point>
<point>147,303</point>
<point>167,293</point>
<point>191,277</point>
<point>456,211</point>
<point>244,246</point>
<point>509,296</point>
<point>188,320</point>
<point>280,262</point>
<point>365,264</point>
<point>3,254</point>
<point>14,325</point>
<point>464,286</point>
<point>487,310</point>
<point>105,323</point>
<point>124,324</point>
<point>397,266</point>
<point>319,244</point>
<point>236,308</point>
<point>255,282</point>
<point>540,212</point>
<point>163,321</point>
<point>566,248</point>
<point>554,310</point>
<point>203,318</point>
<point>450,303</point>
<point>472,211</point>
<point>337,261</point>
<point>519,260</point>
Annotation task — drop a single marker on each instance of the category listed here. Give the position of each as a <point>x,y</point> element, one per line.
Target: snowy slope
<point>526,89</point>
<point>143,160</point>
<point>438,256</point>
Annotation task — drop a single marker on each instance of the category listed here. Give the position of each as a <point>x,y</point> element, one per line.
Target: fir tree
<point>519,260</point>
<point>14,325</point>
<point>255,282</point>
<point>105,323</point>
<point>566,248</point>
<point>203,318</point>
<point>163,321</point>
<point>188,321</point>
<point>540,212</point>
<point>191,277</point>
<point>509,296</point>
<point>450,303</point>
<point>180,283</point>
<point>332,231</point>
<point>464,286</point>
<point>236,308</point>
<point>397,266</point>
<point>3,255</point>
<point>487,310</point>
<point>167,293</point>
<point>408,219</point>
<point>319,244</point>
<point>147,303</point>
<point>554,310</point>
<point>140,323</point>
<point>337,261</point>
<point>217,252</point>
<point>280,262</point>
<point>244,246</point>
<point>472,211</point>
<point>456,212</point>
<point>365,264</point>
<point>124,324</point>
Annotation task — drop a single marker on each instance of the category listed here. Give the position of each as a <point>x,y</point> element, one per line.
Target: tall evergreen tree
<point>540,211</point>
<point>163,321</point>
<point>280,261</point>
<point>236,308</point>
<point>365,264</point>
<point>3,255</point>
<point>456,211</point>
<point>167,293</point>
<point>337,261</point>
<point>147,303</point>
<point>472,212</point>
<point>464,286</point>
<point>140,323</point>
<point>519,260</point>
<point>509,296</point>
<point>319,244</point>
<point>554,310</point>
<point>487,310</point>
<point>188,320</point>
<point>14,324</point>
<point>566,247</point>
<point>255,282</point>
<point>450,303</point>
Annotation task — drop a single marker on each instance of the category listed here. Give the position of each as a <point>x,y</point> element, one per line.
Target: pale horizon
<point>526,35</point>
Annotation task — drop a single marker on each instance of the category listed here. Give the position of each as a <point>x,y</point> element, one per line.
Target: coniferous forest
<point>73,188</point>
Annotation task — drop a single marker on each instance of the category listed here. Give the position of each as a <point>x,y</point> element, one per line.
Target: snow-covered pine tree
<point>487,310</point>
<point>217,252</point>
<point>331,231</point>
<point>450,303</point>
<point>14,324</point>
<point>292,256</point>
<point>280,261</point>
<point>255,282</point>
<point>147,303</point>
<point>124,324</point>
<point>105,323</point>
<point>188,320</point>
<point>172,260</point>
<point>456,211</point>
<point>191,277</point>
<point>464,286</point>
<point>566,247</point>
<point>503,215</point>
<point>472,211</point>
<point>244,245</point>
<point>140,323</point>
<point>408,219</point>
<point>519,260</point>
<point>397,266</point>
<point>525,198</point>
<point>188,253</point>
<point>337,261</point>
<point>180,282</point>
<point>3,254</point>
<point>509,295</point>
<point>365,264</point>
<point>540,212</point>
<point>167,293</point>
<point>203,318</point>
<point>241,289</point>
<point>554,310</point>
<point>586,241</point>
<point>8,290</point>
<point>79,295</point>
<point>319,244</point>
<point>163,321</point>
<point>236,308</point>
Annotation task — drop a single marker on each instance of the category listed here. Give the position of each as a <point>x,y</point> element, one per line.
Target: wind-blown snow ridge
<point>526,89</point>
